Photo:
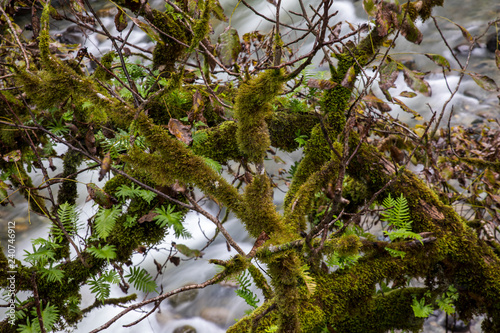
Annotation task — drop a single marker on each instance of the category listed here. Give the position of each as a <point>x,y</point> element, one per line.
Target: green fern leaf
<point>216,166</point>
<point>396,253</point>
<point>50,315</point>
<point>127,192</point>
<point>420,309</point>
<point>100,288</point>
<point>308,279</point>
<point>141,280</point>
<point>40,256</point>
<point>105,221</point>
<point>244,281</point>
<point>69,216</point>
<point>107,252</point>
<point>52,274</point>
<point>397,215</point>
<point>172,219</point>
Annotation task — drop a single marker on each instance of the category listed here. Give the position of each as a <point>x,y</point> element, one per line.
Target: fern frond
<point>216,166</point>
<point>396,253</point>
<point>141,280</point>
<point>398,216</point>
<point>127,192</point>
<point>107,252</point>
<point>245,282</point>
<point>52,274</point>
<point>105,221</point>
<point>172,219</point>
<point>308,279</point>
<point>40,256</point>
<point>69,216</point>
<point>50,315</point>
<point>100,288</point>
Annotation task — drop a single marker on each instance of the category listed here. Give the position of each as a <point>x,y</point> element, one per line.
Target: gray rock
<point>185,329</point>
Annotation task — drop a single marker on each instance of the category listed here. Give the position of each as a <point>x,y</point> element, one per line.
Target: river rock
<point>183,297</point>
<point>216,315</point>
<point>185,329</point>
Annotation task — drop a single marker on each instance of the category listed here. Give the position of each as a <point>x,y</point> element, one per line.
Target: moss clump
<point>252,107</point>
<point>106,60</point>
<point>284,127</point>
<point>220,143</point>
<point>67,191</point>
<point>348,245</point>
<point>260,213</point>
<point>168,50</point>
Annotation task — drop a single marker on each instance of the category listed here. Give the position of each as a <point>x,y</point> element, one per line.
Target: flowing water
<point>214,308</point>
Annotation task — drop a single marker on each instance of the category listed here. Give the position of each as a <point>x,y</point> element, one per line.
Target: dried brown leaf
<point>180,131</point>
<point>321,84</point>
<point>120,20</point>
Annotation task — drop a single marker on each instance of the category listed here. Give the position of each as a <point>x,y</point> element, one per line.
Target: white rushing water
<point>220,302</point>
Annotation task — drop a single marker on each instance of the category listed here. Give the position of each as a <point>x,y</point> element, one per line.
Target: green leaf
<point>409,30</point>
<point>105,221</point>
<point>308,279</point>
<point>52,274</point>
<point>420,309</point>
<point>405,108</point>
<point>438,60</point>
<point>69,216</point>
<point>388,75</point>
<point>216,166</point>
<point>107,252</point>
<point>147,29</point>
<point>126,192</point>
<point>141,280</point>
<point>407,94</point>
<point>416,82</point>
<point>245,282</point>
<point>369,7</point>
<point>40,256</point>
<point>396,253</point>
<point>167,217</point>
<point>188,252</point>
<point>100,288</point>
<point>484,81</point>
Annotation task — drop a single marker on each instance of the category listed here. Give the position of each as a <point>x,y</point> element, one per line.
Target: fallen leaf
<point>120,20</point>
<point>180,131</point>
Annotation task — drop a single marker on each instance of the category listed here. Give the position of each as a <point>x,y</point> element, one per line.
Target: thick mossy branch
<point>260,213</point>
<point>468,261</point>
<point>298,205</point>
<point>284,272</point>
<point>174,161</point>
<point>167,51</point>
<point>384,312</point>
<point>252,107</point>
<point>221,145</point>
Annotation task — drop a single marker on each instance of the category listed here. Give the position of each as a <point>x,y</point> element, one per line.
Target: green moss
<point>301,203</point>
<point>67,192</point>
<point>260,212</point>
<point>220,143</point>
<point>168,50</point>
<point>283,128</point>
<point>348,245</point>
<point>106,60</point>
<point>174,161</point>
<point>285,274</point>
<point>252,107</point>
<point>383,313</point>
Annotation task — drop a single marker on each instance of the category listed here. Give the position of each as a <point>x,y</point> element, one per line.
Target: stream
<point>213,309</point>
